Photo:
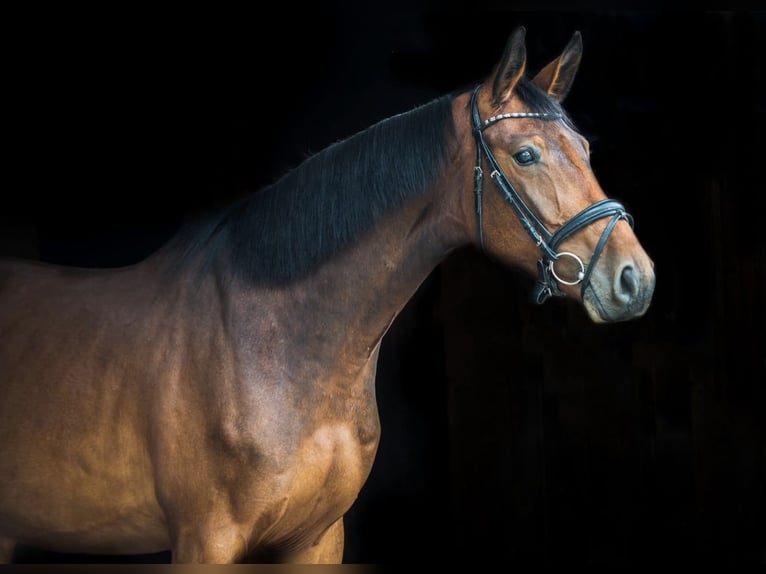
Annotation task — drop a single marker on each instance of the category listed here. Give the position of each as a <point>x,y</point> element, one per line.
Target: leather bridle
<point>548,280</point>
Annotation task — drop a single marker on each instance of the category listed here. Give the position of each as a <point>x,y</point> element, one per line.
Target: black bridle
<point>547,284</point>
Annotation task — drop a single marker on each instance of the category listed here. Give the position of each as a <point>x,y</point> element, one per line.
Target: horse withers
<point>217,399</point>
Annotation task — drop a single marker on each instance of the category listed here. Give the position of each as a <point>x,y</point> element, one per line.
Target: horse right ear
<point>511,67</point>
<point>556,78</point>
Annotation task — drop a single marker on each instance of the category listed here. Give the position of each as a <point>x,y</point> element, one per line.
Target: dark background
<point>511,432</point>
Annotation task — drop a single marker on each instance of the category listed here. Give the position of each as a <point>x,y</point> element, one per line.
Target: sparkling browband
<point>541,115</point>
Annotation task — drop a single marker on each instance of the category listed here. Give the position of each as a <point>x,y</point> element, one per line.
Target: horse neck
<point>345,307</point>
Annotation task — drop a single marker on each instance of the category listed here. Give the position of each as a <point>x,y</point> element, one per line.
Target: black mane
<point>287,229</point>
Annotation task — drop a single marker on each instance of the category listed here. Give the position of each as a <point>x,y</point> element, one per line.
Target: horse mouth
<point>606,310</point>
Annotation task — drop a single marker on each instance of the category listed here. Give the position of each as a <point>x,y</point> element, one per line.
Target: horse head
<point>539,205</point>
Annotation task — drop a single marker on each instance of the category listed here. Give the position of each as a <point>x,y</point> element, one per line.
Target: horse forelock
<point>539,101</point>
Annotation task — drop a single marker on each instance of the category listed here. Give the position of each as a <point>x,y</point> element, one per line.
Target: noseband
<point>548,280</point>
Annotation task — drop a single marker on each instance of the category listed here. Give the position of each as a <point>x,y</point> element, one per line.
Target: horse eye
<point>525,156</point>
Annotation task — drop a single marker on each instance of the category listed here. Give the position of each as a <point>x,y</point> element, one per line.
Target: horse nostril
<point>628,286</point>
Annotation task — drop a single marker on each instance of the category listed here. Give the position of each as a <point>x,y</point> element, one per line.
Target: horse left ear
<point>557,77</point>
<point>511,67</point>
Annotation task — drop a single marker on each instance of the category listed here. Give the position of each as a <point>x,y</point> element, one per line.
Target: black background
<point>511,432</point>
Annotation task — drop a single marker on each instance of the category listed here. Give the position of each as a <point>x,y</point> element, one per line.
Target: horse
<point>217,398</point>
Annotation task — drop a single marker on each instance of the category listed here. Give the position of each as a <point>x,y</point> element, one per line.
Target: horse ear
<point>557,77</point>
<point>511,67</point>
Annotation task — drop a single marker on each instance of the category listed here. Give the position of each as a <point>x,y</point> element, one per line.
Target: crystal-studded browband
<point>539,115</point>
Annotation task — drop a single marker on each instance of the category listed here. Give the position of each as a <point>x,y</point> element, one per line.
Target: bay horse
<point>217,398</point>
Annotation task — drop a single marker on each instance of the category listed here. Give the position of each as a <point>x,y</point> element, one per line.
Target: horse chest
<point>298,476</point>
<point>331,466</point>
<point>316,484</point>
<point>325,444</point>
<point>334,452</point>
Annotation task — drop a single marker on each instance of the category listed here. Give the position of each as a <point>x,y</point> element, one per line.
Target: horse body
<point>180,403</point>
<point>262,424</point>
<point>224,443</point>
